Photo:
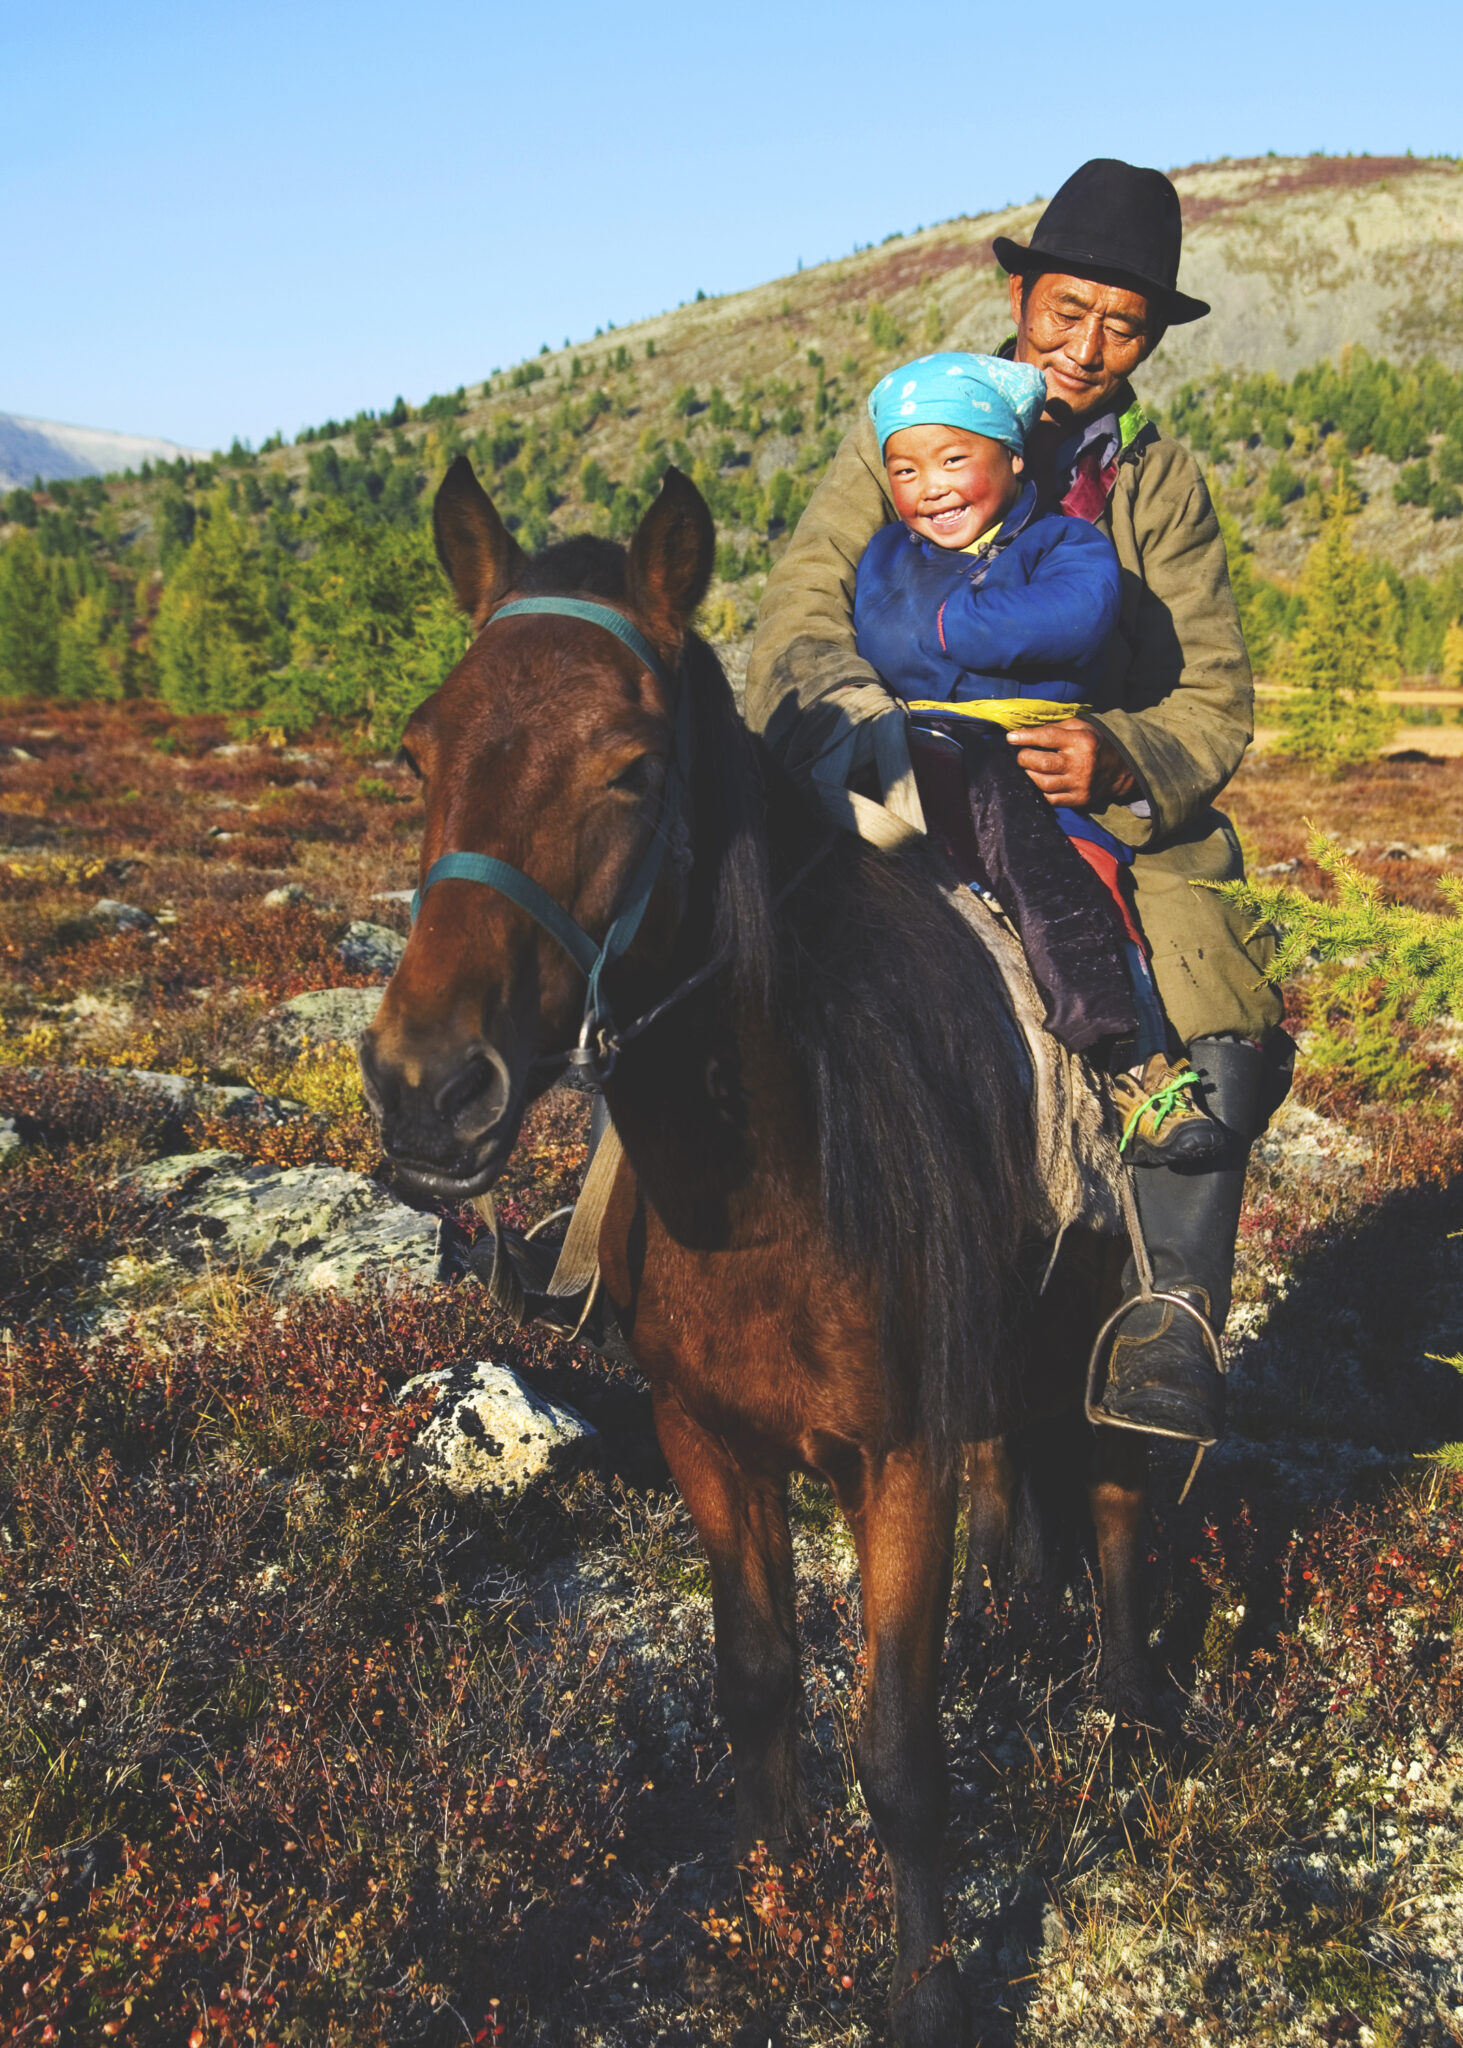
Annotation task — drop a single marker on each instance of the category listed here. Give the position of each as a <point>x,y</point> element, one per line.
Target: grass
<point>294,1749</point>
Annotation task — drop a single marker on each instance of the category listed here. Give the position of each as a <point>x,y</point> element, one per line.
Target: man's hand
<point>1072,763</point>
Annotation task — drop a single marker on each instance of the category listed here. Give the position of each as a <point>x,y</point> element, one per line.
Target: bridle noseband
<point>599,1043</point>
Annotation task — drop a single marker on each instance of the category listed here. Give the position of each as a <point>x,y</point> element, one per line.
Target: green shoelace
<point>1163,1102</point>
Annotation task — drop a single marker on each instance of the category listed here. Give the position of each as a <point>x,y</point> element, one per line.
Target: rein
<point>599,1042</point>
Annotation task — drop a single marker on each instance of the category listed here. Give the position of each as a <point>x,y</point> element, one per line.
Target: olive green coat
<point>1178,701</point>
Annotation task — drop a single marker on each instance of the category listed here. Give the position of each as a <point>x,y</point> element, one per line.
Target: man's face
<point>950,485</point>
<point>1087,338</point>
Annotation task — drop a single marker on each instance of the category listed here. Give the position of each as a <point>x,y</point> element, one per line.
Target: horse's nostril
<point>472,1087</point>
<point>381,1085</point>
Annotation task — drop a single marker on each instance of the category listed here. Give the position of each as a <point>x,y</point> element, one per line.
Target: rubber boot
<point>1161,1374</point>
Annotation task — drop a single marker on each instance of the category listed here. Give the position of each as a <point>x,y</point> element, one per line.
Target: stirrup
<point>1147,1293</point>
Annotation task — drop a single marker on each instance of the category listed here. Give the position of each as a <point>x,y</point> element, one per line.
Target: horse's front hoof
<point>932,2012</point>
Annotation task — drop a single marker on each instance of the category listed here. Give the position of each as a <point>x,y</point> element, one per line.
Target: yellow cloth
<point>1010,712</point>
<point>989,534</point>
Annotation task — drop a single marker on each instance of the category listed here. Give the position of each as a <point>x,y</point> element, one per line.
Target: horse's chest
<point>763,1338</point>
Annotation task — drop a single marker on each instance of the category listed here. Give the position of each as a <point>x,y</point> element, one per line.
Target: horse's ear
<point>670,560</point>
<point>482,559</point>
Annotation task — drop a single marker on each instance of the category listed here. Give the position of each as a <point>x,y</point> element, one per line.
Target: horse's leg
<point>903,1521</point>
<point>741,1519</point>
<point>1118,1490</point>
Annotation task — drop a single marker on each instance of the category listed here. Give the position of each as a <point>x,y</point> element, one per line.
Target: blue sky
<point>227,218</point>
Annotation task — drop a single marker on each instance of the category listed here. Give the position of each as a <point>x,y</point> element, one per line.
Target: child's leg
<point>1164,1121</point>
<point>1059,906</point>
<point>1153,1027</point>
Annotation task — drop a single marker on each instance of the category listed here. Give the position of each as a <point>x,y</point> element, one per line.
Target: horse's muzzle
<point>448,1124</point>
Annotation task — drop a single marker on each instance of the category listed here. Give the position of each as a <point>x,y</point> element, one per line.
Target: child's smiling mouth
<point>950,520</point>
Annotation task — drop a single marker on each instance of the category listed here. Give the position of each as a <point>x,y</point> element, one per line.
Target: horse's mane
<point>898,1021</point>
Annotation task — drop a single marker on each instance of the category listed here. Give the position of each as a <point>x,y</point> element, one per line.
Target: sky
<point>235,219</point>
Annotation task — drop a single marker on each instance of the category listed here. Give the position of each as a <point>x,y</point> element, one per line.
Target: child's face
<point>949,485</point>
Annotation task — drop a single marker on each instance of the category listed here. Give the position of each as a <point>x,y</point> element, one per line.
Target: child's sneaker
<point>1164,1122</point>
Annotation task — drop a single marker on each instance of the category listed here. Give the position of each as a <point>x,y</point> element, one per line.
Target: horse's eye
<point>638,779</point>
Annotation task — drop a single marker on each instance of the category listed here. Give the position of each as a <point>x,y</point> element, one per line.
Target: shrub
<point>884,330</point>
<point>1414,957</point>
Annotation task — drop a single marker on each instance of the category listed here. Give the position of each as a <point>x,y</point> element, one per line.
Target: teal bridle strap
<point>593,615</point>
<point>596,1044</point>
<point>520,889</point>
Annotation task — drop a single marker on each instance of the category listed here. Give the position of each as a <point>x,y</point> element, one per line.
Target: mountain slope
<point>46,449</point>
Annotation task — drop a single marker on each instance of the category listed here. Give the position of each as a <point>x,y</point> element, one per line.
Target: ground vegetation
<point>297,1750</point>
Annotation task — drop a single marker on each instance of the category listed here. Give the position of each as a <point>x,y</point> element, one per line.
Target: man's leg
<point>1210,968</point>
<point>1160,1373</point>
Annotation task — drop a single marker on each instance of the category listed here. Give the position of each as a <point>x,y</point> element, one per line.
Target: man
<point>1092,296</point>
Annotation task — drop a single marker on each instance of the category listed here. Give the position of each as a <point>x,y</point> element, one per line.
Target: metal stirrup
<point>1147,1292</point>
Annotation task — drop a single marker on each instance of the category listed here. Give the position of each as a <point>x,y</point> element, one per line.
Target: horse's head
<point>548,748</point>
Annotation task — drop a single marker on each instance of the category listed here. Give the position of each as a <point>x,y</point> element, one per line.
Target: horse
<point>817,1246</point>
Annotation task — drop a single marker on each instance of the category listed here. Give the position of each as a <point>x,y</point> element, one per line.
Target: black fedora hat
<point>1118,224</point>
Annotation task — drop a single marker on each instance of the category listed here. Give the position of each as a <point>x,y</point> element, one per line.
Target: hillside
<point>49,450</point>
<point>1358,261</point>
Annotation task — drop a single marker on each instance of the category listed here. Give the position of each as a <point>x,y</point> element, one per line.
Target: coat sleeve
<point>806,678</point>
<point>1177,664</point>
<point>1061,612</point>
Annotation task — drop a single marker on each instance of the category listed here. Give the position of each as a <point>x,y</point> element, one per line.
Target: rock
<point>213,1098</point>
<point>121,917</point>
<point>490,1436</point>
<point>323,1016</point>
<point>1302,1142</point>
<point>301,1228</point>
<point>393,895</point>
<point>371,949</point>
<point>286,897</point>
<point>10,1138</point>
<point>17,754</point>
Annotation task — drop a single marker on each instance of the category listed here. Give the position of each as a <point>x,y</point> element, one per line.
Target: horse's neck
<point>710,1107</point>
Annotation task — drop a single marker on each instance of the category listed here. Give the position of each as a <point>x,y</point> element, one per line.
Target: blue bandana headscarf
<point>983,394</point>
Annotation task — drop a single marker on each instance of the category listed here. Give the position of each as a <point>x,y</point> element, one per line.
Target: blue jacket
<point>1028,616</point>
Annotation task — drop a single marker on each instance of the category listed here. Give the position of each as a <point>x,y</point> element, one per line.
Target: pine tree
<point>1333,717</point>
<point>1452,662</point>
<point>29,619</point>
<point>375,627</point>
<point>82,668</point>
<point>214,624</point>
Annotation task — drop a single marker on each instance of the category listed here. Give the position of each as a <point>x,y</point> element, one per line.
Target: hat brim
<point>1175,307</point>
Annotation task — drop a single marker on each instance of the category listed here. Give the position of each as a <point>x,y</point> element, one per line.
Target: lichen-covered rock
<point>178,1094</point>
<point>285,896</point>
<point>371,949</point>
<point>322,1016</point>
<point>182,1093</point>
<point>10,1138</point>
<point>300,1228</point>
<point>1302,1142</point>
<point>489,1436</point>
<point>121,917</point>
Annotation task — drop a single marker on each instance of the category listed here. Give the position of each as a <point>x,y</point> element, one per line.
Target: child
<point>986,615</point>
